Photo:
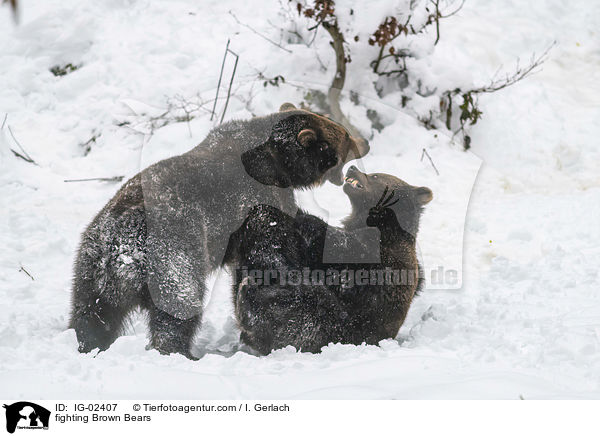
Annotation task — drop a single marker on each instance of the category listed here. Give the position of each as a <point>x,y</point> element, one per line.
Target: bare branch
<point>391,29</point>
<point>436,18</point>
<point>257,33</point>
<point>430,160</point>
<point>100,179</point>
<point>290,18</point>
<point>462,3</point>
<point>519,74</point>
<point>25,156</point>
<point>26,272</point>
<point>179,109</point>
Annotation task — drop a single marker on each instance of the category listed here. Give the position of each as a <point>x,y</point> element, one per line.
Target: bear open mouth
<point>353,182</point>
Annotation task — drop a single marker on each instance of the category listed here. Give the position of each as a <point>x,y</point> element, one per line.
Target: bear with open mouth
<point>350,302</point>
<point>155,242</point>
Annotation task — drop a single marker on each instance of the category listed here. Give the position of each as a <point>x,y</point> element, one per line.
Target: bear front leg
<point>176,275</point>
<point>97,322</point>
<point>169,334</point>
<point>252,314</point>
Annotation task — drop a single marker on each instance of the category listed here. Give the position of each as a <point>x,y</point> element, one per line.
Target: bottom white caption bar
<point>302,417</point>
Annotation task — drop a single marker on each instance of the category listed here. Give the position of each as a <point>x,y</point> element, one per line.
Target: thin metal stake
<point>219,84</point>
<point>230,83</point>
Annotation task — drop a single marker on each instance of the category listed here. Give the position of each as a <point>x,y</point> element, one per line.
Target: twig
<point>179,109</point>
<point>430,160</point>
<point>92,139</point>
<point>436,3</point>
<point>409,29</point>
<point>313,38</point>
<point>4,122</point>
<point>87,145</point>
<point>26,272</point>
<point>438,16</point>
<point>25,156</point>
<point>257,33</point>
<point>462,3</point>
<point>247,101</point>
<point>403,28</point>
<point>519,74</point>
<point>19,155</point>
<point>101,179</point>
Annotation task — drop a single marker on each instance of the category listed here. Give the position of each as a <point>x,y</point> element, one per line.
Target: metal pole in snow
<point>219,84</point>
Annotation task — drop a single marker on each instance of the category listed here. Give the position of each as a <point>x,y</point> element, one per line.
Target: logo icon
<point>26,415</point>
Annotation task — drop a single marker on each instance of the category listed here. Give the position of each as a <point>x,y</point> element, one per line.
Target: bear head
<point>303,149</point>
<point>366,190</point>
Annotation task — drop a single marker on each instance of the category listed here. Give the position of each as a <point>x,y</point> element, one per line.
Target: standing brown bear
<point>155,242</point>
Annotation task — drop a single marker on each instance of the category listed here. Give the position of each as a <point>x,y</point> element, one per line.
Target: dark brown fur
<point>153,245</point>
<point>272,314</point>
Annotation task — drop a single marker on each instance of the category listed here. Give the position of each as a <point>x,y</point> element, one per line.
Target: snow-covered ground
<point>523,318</point>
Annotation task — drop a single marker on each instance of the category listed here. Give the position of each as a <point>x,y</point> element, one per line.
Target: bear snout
<point>360,148</point>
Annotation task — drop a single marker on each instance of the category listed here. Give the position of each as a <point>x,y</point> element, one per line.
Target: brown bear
<point>155,242</point>
<point>285,294</point>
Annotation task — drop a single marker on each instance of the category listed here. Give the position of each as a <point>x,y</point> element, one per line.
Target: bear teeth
<point>352,182</point>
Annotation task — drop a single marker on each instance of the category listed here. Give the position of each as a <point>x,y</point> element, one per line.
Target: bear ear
<point>260,164</point>
<point>423,195</point>
<point>306,137</point>
<point>287,107</point>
